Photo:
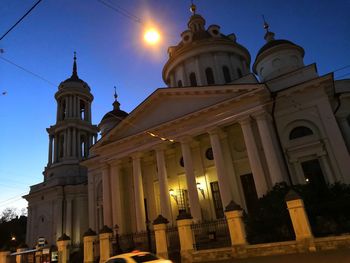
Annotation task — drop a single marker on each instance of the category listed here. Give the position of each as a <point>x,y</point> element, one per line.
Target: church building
<point>219,131</point>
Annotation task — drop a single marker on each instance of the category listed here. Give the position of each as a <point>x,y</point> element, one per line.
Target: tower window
<point>83,146</point>
<point>239,73</point>
<point>61,146</point>
<point>82,110</point>
<point>299,132</point>
<point>210,76</point>
<point>193,79</point>
<point>227,75</point>
<point>179,83</point>
<point>64,108</point>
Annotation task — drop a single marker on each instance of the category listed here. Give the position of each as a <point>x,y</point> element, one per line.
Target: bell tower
<point>73,133</point>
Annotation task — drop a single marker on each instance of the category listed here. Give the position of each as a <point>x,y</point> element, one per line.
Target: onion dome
<point>277,57</point>
<point>205,56</point>
<point>112,118</point>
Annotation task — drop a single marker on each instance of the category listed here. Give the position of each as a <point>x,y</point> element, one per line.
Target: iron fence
<point>173,243</point>
<point>144,241</point>
<point>214,234</point>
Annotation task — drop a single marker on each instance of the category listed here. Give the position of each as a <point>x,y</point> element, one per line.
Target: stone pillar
<point>198,72</point>
<point>165,208</point>
<point>116,188</point>
<point>63,248</point>
<point>298,216</point>
<point>253,156</point>
<point>19,258</point>
<point>74,142</point>
<point>69,142</point>
<point>89,239</point>
<point>5,256</point>
<point>183,76</point>
<point>221,172</point>
<point>159,226</point>
<point>91,201</point>
<point>50,149</point>
<point>184,222</point>
<point>68,217</point>
<point>191,181</point>
<point>105,237</point>
<point>138,192</point>
<point>273,157</point>
<point>234,216</point>
<point>217,71</point>
<point>106,192</point>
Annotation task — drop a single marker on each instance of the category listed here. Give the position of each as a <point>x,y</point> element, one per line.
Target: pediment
<point>168,104</point>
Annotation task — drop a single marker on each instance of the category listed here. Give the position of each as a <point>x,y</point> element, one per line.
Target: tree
<point>8,214</point>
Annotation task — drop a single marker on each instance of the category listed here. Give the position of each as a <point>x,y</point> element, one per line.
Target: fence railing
<point>213,234</point>
<point>144,241</point>
<point>173,243</point>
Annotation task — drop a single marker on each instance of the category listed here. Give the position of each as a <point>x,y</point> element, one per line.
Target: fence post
<point>184,222</point>
<point>300,220</point>
<point>159,226</point>
<point>89,239</point>
<point>20,249</point>
<point>63,243</point>
<point>234,216</point>
<point>5,256</point>
<point>105,243</point>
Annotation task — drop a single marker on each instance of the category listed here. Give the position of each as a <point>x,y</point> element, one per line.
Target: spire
<point>116,104</point>
<point>269,36</point>
<point>193,8</point>
<point>75,73</point>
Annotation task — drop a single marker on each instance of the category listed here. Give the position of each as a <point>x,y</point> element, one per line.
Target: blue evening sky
<point>111,51</point>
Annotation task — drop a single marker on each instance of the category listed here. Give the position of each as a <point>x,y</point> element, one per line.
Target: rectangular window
<point>249,190</point>
<point>313,172</point>
<point>215,192</point>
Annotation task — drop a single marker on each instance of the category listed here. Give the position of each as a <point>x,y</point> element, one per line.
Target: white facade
<point>194,148</point>
<point>60,203</point>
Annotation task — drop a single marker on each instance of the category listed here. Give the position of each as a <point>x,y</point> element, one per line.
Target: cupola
<point>205,56</point>
<point>112,118</point>
<point>277,57</point>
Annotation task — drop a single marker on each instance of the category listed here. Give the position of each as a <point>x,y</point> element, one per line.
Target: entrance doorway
<point>249,190</point>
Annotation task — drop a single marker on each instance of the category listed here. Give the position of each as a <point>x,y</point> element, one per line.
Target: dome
<point>205,56</point>
<point>112,118</point>
<point>277,57</point>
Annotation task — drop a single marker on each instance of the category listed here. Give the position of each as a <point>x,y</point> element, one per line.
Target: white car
<point>137,257</point>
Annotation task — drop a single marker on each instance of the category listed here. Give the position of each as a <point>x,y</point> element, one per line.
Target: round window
<point>209,154</point>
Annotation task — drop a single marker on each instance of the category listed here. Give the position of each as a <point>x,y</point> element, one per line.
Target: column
<point>106,192</point>
<point>50,149</point>
<point>165,208</point>
<point>345,129</point>
<point>191,181</point>
<point>253,156</point>
<point>172,80</point>
<point>273,158</point>
<point>221,172</point>
<point>69,218</point>
<point>219,79</point>
<point>91,201</point>
<point>58,214</point>
<point>79,145</point>
<point>138,192</point>
<point>117,211</point>
<point>55,150</point>
<point>198,72</point>
<point>183,75</point>
<point>74,143</point>
<point>69,141</point>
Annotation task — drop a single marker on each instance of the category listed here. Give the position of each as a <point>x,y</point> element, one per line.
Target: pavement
<point>331,256</point>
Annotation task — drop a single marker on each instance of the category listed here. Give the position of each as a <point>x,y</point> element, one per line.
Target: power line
<point>28,71</point>
<point>347,66</point>
<point>122,11</point>
<point>31,9</point>
<point>343,75</point>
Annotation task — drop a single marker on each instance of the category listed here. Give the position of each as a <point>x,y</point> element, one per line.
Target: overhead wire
<point>27,13</point>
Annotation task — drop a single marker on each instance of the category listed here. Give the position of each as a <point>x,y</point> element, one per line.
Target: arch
<point>179,83</point>
<point>227,75</point>
<point>193,79</point>
<point>239,73</point>
<point>300,131</point>
<point>210,76</point>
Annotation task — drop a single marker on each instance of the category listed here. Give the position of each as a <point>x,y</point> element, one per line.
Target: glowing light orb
<point>151,36</point>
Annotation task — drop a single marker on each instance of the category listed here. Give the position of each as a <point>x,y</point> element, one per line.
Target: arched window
<point>210,76</point>
<point>193,79</point>
<point>82,110</point>
<point>239,73</point>
<point>227,75</point>
<point>299,132</point>
<point>179,83</point>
